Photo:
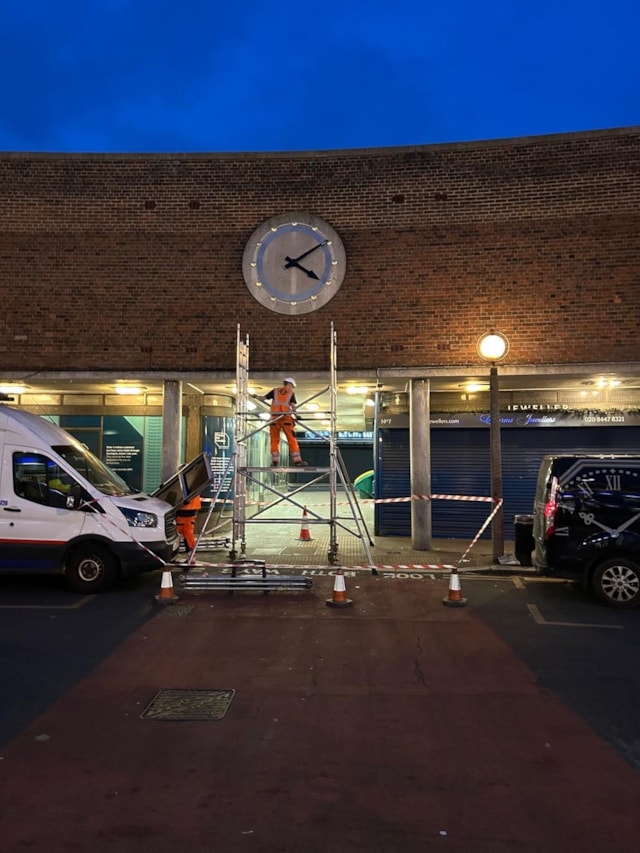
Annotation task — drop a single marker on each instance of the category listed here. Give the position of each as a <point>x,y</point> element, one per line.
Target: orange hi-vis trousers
<point>286,424</point>
<point>186,521</point>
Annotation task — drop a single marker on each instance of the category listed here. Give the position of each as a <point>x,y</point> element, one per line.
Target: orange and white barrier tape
<point>472,498</point>
<point>483,528</point>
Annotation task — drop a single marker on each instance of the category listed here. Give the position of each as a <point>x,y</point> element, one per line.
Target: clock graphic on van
<point>595,479</point>
<point>294,263</point>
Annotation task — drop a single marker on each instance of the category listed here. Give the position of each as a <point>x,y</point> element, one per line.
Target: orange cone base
<point>454,602</point>
<point>346,602</point>
<point>167,599</point>
<point>305,536</point>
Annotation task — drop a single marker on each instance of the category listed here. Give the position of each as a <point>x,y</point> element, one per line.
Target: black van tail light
<point>550,517</point>
<point>550,508</point>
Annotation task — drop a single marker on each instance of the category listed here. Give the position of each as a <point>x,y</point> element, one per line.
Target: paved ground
<point>282,542</point>
<point>396,724</point>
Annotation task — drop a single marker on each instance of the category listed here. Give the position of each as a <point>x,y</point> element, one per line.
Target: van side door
<point>39,512</point>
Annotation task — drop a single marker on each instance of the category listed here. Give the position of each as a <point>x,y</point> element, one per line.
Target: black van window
<point>39,479</point>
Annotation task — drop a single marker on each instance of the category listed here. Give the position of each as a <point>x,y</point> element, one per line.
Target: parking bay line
<point>540,620</point>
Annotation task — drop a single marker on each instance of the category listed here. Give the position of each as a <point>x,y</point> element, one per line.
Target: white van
<point>63,511</point>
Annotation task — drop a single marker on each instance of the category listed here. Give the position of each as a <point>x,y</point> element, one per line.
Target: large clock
<point>294,263</point>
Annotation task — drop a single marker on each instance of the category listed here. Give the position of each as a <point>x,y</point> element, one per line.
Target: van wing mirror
<point>74,498</point>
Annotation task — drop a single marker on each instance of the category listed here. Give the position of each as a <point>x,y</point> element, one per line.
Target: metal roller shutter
<point>392,480</point>
<point>460,466</point>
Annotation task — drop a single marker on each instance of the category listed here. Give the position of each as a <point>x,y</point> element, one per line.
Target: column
<point>171,427</point>
<point>420,462</point>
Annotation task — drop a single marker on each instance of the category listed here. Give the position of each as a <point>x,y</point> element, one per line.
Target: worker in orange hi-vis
<point>283,407</point>
<point>186,522</point>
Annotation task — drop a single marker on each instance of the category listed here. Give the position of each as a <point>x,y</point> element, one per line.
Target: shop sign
<point>349,435</point>
<point>530,418</point>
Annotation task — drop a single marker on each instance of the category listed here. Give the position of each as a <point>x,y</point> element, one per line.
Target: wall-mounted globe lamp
<point>494,347</point>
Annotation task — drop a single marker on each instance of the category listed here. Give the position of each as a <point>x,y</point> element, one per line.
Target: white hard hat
<point>290,380</point>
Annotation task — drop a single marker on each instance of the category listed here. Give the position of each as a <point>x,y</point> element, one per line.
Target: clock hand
<point>292,261</point>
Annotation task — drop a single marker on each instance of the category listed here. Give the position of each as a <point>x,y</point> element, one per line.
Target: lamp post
<point>494,347</point>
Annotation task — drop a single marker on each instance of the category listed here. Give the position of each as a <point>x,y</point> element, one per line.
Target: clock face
<point>294,264</point>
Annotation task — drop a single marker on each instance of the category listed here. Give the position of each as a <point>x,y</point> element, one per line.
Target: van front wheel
<point>617,582</point>
<point>90,568</point>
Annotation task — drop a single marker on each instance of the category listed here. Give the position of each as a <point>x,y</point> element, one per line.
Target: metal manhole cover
<point>191,704</point>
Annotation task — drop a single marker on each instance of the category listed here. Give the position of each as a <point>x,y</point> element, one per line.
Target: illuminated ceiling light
<point>357,389</point>
<point>312,407</point>
<point>12,389</point>
<point>603,382</point>
<point>474,387</point>
<point>129,390</point>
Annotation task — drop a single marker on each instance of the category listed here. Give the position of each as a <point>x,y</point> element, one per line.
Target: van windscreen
<point>93,469</point>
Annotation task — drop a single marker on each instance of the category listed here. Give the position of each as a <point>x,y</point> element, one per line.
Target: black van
<point>586,524</point>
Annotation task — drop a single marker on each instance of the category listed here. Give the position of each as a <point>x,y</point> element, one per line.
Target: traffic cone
<point>454,598</point>
<point>305,536</point>
<point>167,595</point>
<point>339,597</point>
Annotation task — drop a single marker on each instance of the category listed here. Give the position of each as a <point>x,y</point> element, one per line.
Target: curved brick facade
<point>134,262</point>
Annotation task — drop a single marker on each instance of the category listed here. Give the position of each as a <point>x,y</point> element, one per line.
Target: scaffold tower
<point>273,481</point>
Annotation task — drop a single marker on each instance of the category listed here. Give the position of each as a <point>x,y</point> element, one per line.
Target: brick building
<point>131,267</point>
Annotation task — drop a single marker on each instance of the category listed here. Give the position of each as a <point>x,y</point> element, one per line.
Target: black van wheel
<point>90,568</point>
<point>617,582</point>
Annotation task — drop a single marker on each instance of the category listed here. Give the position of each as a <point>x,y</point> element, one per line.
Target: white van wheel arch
<point>616,581</point>
<point>90,567</point>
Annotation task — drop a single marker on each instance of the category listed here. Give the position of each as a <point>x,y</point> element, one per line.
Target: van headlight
<point>136,518</point>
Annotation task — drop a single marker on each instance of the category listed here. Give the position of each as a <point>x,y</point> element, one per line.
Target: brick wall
<point>134,262</point>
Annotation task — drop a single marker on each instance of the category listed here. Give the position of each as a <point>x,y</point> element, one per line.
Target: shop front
<point>460,463</point>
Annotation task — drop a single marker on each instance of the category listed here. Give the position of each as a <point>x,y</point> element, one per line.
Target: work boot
<point>300,463</point>
<point>275,464</point>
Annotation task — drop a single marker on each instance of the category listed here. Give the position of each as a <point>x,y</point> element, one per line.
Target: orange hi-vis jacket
<point>190,508</point>
<point>283,401</point>
<point>283,406</point>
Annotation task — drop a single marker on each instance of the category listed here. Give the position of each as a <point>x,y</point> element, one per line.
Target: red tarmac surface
<point>397,724</point>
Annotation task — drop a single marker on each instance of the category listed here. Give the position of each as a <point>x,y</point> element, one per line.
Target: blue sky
<point>215,75</point>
